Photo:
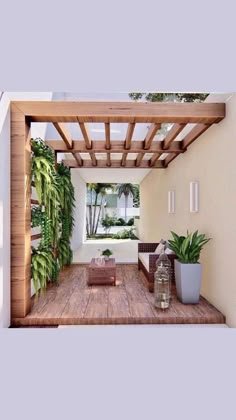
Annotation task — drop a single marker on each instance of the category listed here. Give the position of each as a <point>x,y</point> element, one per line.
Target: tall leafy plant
<point>44,267</point>
<point>44,176</point>
<point>67,204</point>
<point>188,248</point>
<point>54,214</point>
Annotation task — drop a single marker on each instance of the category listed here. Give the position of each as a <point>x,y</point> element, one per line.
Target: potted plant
<point>107,253</point>
<point>188,270</point>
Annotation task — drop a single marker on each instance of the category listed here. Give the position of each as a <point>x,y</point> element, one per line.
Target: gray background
<point>131,372</point>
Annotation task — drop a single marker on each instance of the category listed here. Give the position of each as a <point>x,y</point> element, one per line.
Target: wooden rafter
<point>85,133</point>
<point>108,136</point>
<point>150,135</point>
<point>148,141</point>
<point>187,140</point>
<point>194,134</point>
<point>88,142</point>
<point>173,133</point>
<point>114,164</point>
<point>36,236</point>
<point>65,135</point>
<point>108,159</point>
<point>78,159</point>
<point>139,158</point>
<point>129,134</point>
<point>154,158</point>
<point>128,140</point>
<point>124,157</point>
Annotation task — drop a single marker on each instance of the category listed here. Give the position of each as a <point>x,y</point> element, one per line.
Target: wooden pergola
<point>203,115</point>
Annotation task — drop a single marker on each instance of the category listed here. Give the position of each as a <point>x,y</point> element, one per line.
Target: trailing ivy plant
<point>55,193</point>
<point>67,204</point>
<point>44,267</point>
<point>44,175</point>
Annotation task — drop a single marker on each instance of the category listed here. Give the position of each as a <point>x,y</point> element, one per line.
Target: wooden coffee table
<point>104,274</point>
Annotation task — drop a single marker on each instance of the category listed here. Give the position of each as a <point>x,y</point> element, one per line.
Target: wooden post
<point>20,214</point>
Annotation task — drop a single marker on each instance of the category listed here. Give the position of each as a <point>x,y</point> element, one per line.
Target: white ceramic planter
<point>188,281</point>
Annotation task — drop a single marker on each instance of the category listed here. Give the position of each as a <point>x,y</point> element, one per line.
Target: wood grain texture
<point>85,133</point>
<point>108,136</point>
<point>64,133</point>
<point>114,164</point>
<point>78,159</point>
<point>194,134</point>
<point>150,135</point>
<point>188,140</point>
<point>154,159</point>
<point>129,134</point>
<point>173,133</point>
<point>154,112</point>
<point>20,214</point>
<point>129,302</point>
<point>117,146</point>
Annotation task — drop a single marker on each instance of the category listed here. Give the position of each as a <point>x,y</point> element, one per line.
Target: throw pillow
<point>159,248</point>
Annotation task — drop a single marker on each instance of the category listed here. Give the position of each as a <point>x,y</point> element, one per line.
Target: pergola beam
<point>117,146</point>
<point>114,164</point>
<point>131,112</point>
<point>65,135</point>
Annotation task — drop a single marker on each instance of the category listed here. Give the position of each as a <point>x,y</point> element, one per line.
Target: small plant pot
<point>106,258</point>
<point>188,282</point>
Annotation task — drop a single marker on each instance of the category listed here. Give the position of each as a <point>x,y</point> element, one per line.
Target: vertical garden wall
<point>53,214</point>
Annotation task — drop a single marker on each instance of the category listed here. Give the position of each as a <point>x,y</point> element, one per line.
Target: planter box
<point>188,281</point>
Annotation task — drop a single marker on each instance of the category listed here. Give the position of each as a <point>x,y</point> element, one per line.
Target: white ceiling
<point>134,176</point>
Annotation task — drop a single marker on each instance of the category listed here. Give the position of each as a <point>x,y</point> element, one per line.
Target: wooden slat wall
<point>20,214</point>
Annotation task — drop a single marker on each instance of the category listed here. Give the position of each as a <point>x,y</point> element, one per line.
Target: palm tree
<point>96,190</point>
<point>126,190</point>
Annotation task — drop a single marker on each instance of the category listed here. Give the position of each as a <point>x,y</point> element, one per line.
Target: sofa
<point>147,259</point>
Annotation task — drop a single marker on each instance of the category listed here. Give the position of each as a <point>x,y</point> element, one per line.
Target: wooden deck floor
<point>129,302</point>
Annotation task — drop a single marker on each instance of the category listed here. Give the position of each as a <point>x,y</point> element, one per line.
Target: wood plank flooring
<point>129,302</point>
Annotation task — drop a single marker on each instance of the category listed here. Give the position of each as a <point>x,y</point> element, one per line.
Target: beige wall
<point>211,160</point>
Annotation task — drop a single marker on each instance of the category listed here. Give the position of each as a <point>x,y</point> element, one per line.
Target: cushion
<point>168,251</point>
<point>144,258</point>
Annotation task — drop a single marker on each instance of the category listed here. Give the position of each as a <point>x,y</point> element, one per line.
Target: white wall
<point>4,215</point>
<point>211,161</point>
<point>37,131</point>
<point>124,251</point>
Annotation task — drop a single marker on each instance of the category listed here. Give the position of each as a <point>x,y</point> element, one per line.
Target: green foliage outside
<point>168,96</point>
<point>107,222</point>
<point>125,234</point>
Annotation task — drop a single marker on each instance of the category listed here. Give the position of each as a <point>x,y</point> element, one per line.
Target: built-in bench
<point>147,259</point>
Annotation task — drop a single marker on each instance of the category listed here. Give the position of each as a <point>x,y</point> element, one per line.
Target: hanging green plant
<point>65,254</point>
<point>44,268</point>
<point>55,193</point>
